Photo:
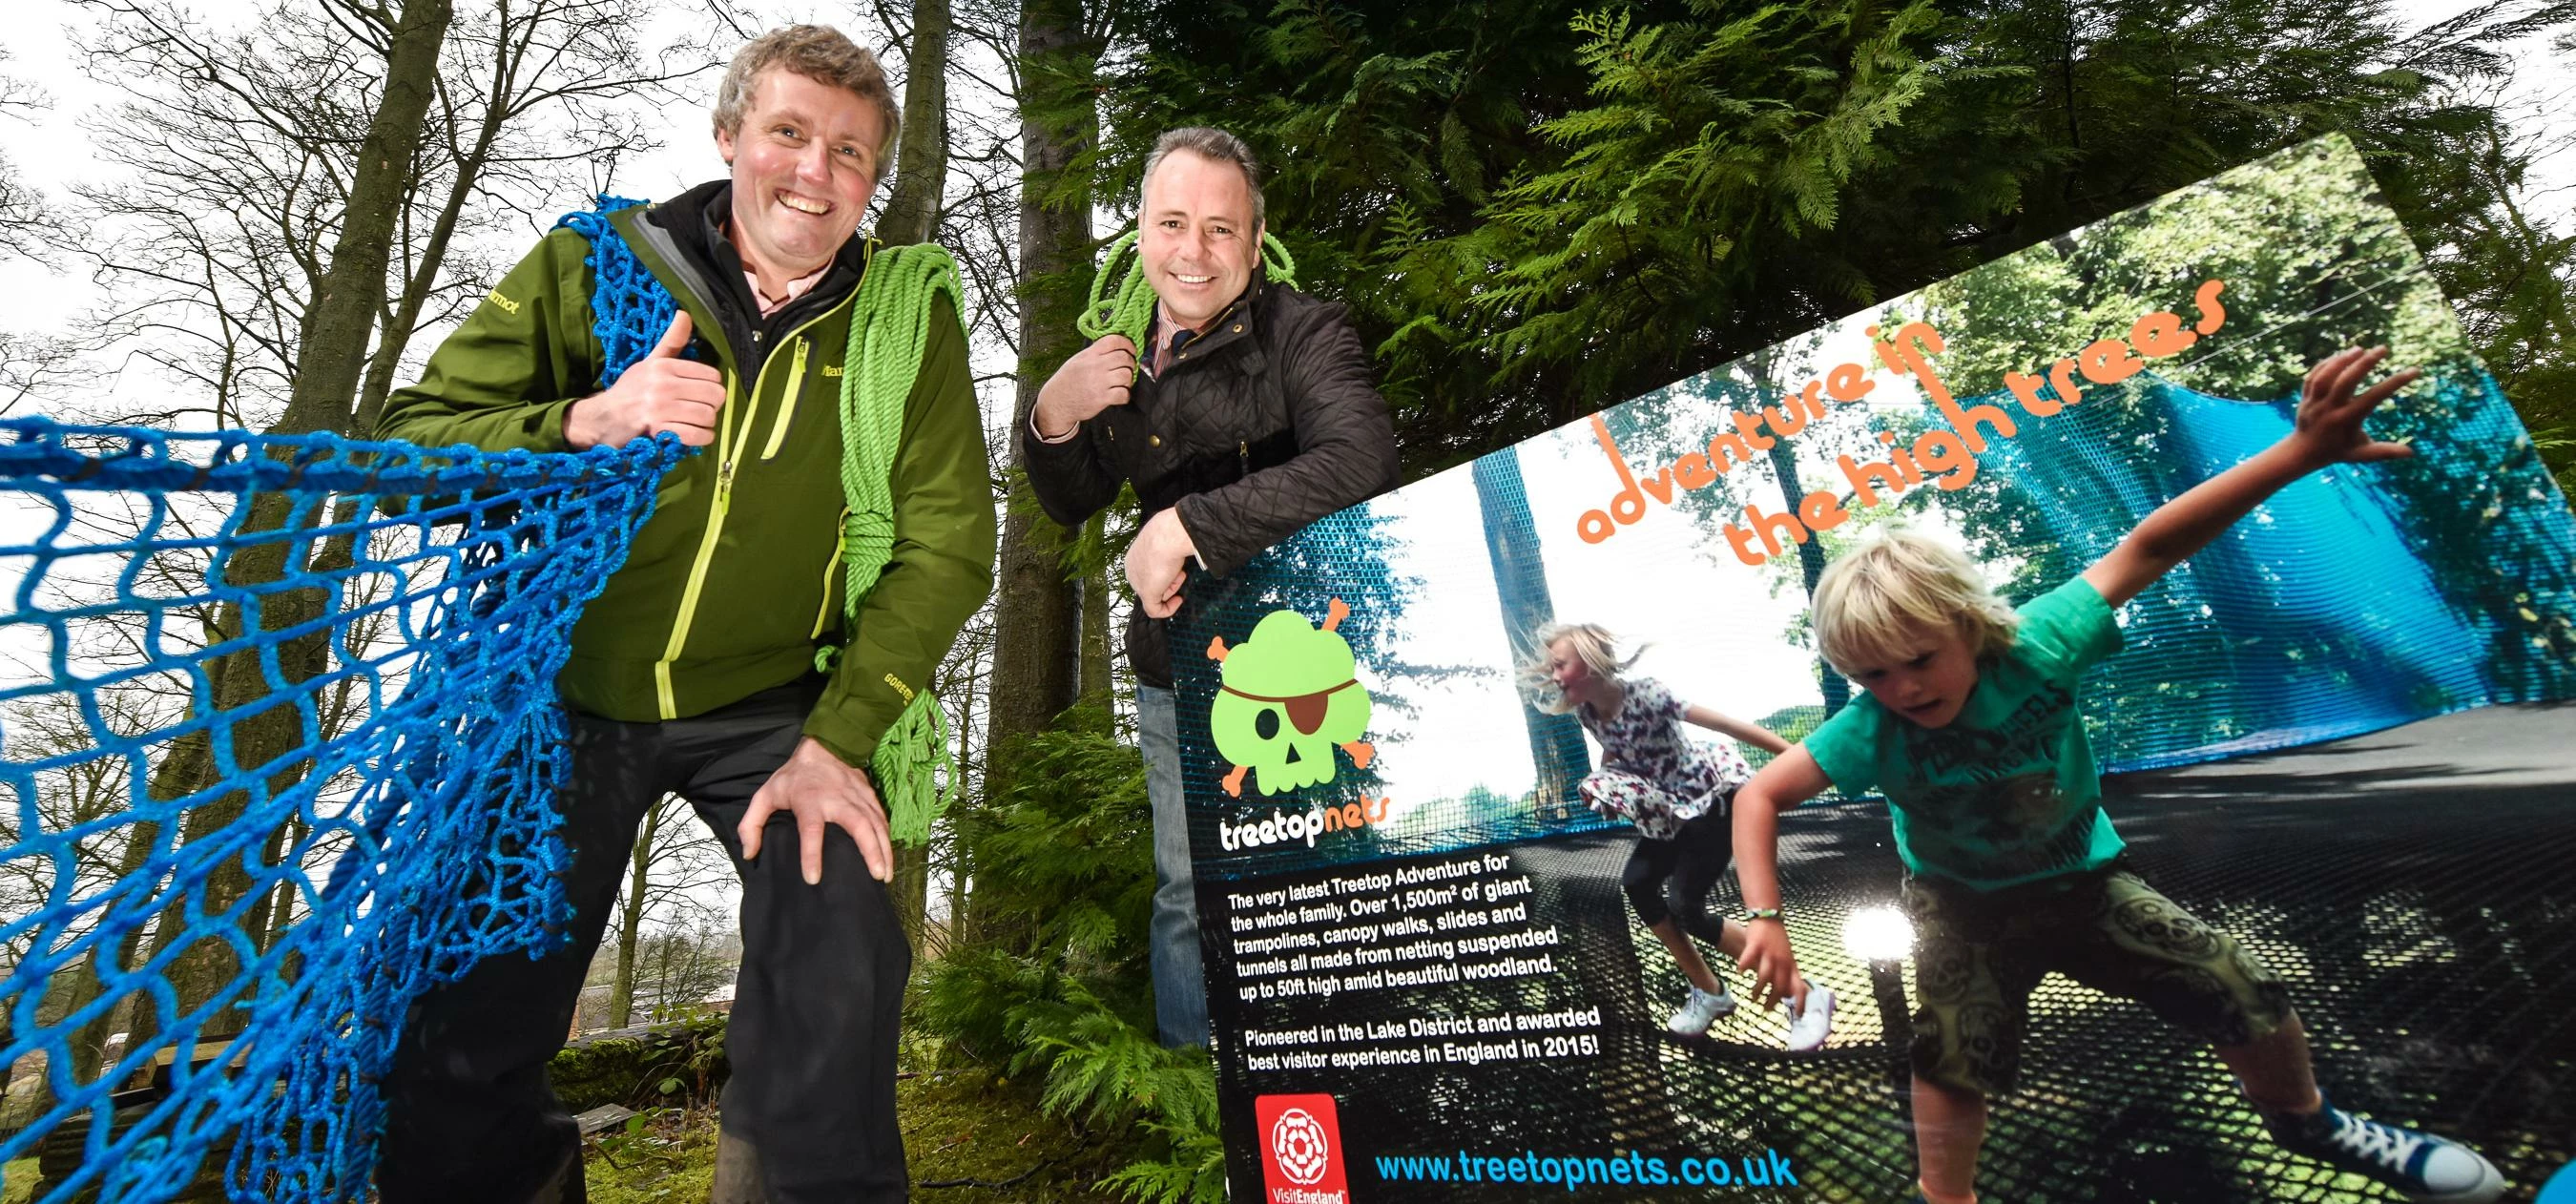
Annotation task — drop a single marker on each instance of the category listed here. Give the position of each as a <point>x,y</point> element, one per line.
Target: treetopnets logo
<point>1301,1150</point>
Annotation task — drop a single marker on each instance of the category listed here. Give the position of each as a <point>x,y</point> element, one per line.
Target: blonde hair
<point>1591,643</point>
<point>819,53</point>
<point>1876,599</point>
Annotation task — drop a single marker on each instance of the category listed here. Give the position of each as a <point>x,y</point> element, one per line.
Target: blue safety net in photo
<point>278,747</point>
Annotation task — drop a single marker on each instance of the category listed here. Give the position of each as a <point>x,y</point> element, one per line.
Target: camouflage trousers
<point>1979,954</point>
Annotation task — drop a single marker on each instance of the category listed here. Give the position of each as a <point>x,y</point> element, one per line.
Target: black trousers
<point>470,1114</point>
<point>1673,877</point>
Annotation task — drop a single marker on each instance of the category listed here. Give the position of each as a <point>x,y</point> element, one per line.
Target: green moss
<point>677,1065</point>
<point>956,1125</point>
<point>664,1157</point>
<point>964,1125</point>
<point>18,1181</point>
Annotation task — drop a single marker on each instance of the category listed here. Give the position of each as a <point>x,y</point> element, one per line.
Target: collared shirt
<point>795,288</point>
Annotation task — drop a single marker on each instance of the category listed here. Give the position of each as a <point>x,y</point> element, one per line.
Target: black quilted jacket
<point>1261,426</point>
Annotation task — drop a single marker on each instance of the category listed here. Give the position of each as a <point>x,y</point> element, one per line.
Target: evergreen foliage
<point>1063,858</point>
<point>1536,210</point>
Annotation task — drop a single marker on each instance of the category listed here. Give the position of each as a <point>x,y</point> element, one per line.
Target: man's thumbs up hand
<point>660,392</point>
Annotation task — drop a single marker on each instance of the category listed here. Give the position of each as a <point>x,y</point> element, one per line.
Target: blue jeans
<point>1180,984</point>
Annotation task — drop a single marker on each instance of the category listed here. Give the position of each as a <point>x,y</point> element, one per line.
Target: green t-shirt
<point>2008,792</point>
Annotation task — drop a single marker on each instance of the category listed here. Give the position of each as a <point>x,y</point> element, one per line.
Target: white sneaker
<point>1809,1024</point>
<point>1699,1011</point>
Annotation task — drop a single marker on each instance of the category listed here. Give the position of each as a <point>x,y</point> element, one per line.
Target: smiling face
<point>804,165</point>
<point>1925,678</point>
<point>1196,237</point>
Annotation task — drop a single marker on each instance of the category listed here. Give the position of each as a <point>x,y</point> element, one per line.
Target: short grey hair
<point>819,53</point>
<point>1216,146</point>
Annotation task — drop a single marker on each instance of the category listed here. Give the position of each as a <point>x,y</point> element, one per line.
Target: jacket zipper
<point>723,502</point>
<point>823,613</point>
<point>795,390</point>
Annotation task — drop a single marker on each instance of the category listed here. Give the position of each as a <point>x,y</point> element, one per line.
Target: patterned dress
<point>1651,773</point>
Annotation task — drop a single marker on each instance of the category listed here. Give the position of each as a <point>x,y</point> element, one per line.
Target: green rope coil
<point>889,333</point>
<point>1122,302</point>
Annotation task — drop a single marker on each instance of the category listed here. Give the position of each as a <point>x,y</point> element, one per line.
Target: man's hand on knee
<point>821,791</point>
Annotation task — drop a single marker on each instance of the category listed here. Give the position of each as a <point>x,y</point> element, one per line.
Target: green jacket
<point>736,579</point>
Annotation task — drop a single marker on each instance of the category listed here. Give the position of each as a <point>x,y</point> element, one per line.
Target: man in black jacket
<point>1253,416</point>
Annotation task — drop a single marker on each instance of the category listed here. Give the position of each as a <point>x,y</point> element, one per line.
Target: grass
<point>667,1156</point>
<point>957,1125</point>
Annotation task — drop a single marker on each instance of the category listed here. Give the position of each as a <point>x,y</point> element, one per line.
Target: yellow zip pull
<point>787,407</point>
<point>831,569</point>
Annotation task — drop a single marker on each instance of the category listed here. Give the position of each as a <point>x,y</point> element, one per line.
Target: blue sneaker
<point>2421,1166</point>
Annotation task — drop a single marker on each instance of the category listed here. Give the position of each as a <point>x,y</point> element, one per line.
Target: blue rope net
<point>280,757</point>
<point>2358,598</point>
<point>632,309</point>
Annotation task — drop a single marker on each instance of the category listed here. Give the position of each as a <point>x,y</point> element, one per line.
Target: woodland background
<point>1533,210</point>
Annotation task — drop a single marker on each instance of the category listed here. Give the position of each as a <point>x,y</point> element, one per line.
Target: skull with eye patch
<point>1288,697</point>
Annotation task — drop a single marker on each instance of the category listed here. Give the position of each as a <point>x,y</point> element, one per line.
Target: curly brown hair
<point>819,53</point>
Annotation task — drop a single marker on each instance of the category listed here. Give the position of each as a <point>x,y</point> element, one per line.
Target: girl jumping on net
<point>1676,791</point>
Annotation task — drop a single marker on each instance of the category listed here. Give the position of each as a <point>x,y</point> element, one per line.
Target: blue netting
<point>2357,598</point>
<point>280,755</point>
<point>1520,582</point>
<point>630,308</point>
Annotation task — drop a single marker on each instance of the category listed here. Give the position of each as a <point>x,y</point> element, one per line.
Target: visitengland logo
<point>1297,1139</point>
<point>1301,1150</point>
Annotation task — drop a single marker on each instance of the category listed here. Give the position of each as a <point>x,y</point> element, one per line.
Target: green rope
<point>889,333</point>
<point>1123,303</point>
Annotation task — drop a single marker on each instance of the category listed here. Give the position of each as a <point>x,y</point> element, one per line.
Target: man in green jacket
<point>694,671</point>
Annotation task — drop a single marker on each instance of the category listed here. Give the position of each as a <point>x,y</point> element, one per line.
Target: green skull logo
<point>1288,697</point>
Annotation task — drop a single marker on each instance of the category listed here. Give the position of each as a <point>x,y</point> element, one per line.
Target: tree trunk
<point>630,923</point>
<point>921,162</point>
<point>1811,552</point>
<point>332,349</point>
<point>1095,674</point>
<point>1811,567</point>
<point>394,336</point>
<point>1035,608</point>
<point>910,891</point>
<point>912,216</point>
<point>1520,584</point>
<point>954,921</point>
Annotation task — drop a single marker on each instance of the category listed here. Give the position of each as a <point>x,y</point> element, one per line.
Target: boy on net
<point>1971,730</point>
